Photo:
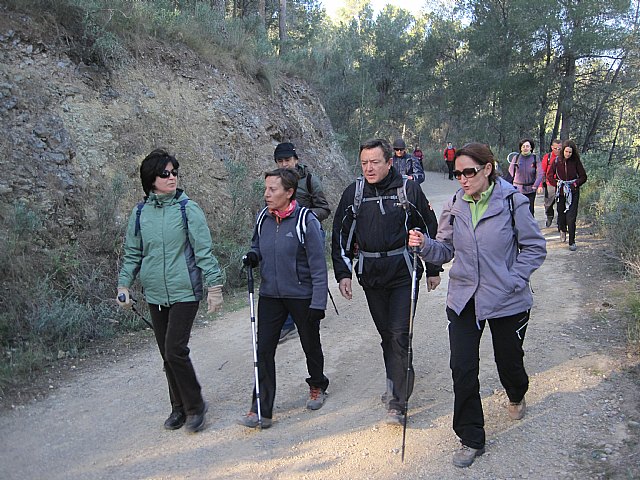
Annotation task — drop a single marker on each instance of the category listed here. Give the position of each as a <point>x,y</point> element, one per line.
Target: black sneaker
<point>548,222</point>
<point>195,423</point>
<point>175,421</point>
<point>287,333</point>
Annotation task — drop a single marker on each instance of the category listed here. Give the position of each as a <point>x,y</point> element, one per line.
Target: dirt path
<point>106,421</point>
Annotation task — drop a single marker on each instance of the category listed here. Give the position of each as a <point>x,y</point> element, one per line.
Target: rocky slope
<point>72,135</point>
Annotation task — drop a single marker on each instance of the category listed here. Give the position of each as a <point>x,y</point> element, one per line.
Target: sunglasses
<point>467,172</point>
<point>399,149</point>
<point>166,173</point>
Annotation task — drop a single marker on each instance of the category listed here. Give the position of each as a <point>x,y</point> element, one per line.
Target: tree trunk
<point>569,82</point>
<point>282,26</point>
<point>219,6</point>
<point>615,137</point>
<point>262,7</point>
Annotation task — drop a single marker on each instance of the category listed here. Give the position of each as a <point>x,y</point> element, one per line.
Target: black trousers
<point>532,201</point>
<point>272,312</point>
<point>390,308</point>
<point>507,335</point>
<point>567,221</point>
<point>172,328</point>
<point>450,169</point>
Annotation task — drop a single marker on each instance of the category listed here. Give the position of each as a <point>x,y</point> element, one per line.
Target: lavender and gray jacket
<point>487,265</point>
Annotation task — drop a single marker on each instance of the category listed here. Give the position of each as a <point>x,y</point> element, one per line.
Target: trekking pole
<point>412,314</point>
<point>255,343</point>
<point>122,297</point>
<point>332,301</point>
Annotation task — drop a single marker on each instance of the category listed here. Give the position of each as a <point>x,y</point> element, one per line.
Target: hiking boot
<point>175,421</point>
<point>385,397</point>
<point>316,398</point>
<point>516,410</point>
<point>287,333</point>
<point>394,417</point>
<point>563,237</point>
<point>573,247</point>
<point>250,420</point>
<point>548,222</point>
<point>466,455</point>
<point>196,422</point>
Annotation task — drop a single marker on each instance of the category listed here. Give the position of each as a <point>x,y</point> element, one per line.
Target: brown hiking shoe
<point>394,417</point>
<point>516,410</point>
<point>316,398</point>
<point>466,455</point>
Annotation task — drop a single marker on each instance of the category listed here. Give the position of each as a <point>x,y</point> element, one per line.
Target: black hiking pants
<point>172,329</point>
<point>567,221</point>
<point>507,335</point>
<point>390,308</point>
<point>272,312</point>
<point>450,169</point>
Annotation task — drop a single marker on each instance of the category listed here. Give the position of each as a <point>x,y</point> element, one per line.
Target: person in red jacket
<point>567,174</point>
<point>449,155</point>
<point>549,190</point>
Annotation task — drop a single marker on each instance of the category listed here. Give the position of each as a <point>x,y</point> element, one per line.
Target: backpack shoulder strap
<point>402,193</point>
<point>309,183</point>
<point>301,224</point>
<point>453,201</point>
<point>357,196</point>
<point>183,211</point>
<point>260,219</point>
<point>138,213</point>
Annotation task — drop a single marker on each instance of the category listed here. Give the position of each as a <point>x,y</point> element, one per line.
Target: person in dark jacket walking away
<point>169,244</point>
<point>549,190</point>
<point>293,281</point>
<point>373,231</point>
<point>567,174</point>
<point>406,164</point>
<point>308,194</point>
<point>526,171</point>
<point>495,244</point>
<point>449,154</point>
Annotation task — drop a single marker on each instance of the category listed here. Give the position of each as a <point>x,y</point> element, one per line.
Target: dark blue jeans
<point>390,309</point>
<point>507,335</point>
<point>172,329</point>
<point>272,313</point>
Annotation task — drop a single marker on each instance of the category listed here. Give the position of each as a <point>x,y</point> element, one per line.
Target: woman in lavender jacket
<point>497,245</point>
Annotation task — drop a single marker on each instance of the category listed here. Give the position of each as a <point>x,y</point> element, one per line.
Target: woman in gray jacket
<point>495,244</point>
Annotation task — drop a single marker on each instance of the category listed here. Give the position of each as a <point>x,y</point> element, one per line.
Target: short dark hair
<point>288,178</point>
<point>378,143</point>
<point>481,154</point>
<point>153,165</point>
<point>526,139</point>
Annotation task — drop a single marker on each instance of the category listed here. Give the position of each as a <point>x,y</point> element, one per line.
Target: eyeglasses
<point>399,149</point>
<point>467,172</point>
<point>166,173</point>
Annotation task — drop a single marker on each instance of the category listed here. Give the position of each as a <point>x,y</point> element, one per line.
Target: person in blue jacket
<point>288,245</point>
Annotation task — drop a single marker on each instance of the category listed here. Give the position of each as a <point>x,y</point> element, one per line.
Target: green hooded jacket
<point>171,267</point>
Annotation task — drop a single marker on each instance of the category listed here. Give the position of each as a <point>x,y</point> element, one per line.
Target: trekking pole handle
<point>416,249</point>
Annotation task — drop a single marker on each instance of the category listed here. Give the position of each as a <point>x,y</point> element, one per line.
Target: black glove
<point>250,259</point>
<point>315,315</point>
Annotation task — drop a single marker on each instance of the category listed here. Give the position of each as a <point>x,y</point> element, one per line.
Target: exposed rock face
<point>71,132</point>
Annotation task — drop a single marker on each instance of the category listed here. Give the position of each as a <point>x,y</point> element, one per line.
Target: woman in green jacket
<point>168,244</point>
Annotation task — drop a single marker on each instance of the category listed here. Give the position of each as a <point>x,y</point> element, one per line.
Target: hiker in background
<point>405,164</point>
<point>567,174</point>
<point>308,194</point>
<point>526,171</point>
<point>549,190</point>
<point>293,281</point>
<point>497,246</point>
<point>387,206</point>
<point>417,153</point>
<point>168,242</point>
<point>449,155</point>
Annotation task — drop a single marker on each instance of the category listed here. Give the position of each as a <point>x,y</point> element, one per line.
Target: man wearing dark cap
<point>405,164</point>
<point>309,194</point>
